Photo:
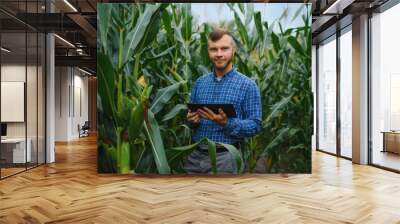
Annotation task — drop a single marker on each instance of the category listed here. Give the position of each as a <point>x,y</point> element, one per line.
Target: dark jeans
<point>199,162</point>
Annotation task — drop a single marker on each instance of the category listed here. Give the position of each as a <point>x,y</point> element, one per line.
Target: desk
<point>16,147</point>
<point>391,141</point>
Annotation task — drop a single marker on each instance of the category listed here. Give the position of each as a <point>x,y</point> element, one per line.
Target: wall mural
<point>217,88</point>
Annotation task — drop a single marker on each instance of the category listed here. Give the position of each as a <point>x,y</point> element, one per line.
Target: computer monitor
<point>3,129</point>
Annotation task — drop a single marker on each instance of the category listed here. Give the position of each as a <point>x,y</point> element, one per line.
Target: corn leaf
<point>212,152</point>
<point>154,136</point>
<point>163,96</point>
<point>235,154</point>
<point>174,112</point>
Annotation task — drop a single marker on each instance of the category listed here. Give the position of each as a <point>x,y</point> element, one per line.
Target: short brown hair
<point>217,34</point>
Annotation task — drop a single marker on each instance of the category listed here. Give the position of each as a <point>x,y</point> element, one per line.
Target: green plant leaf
<point>296,147</point>
<point>275,42</point>
<point>259,27</point>
<point>212,152</point>
<point>297,13</point>
<point>106,82</point>
<point>241,7</point>
<point>134,36</point>
<point>136,153</point>
<point>242,30</point>
<point>296,45</point>
<point>248,14</point>
<point>154,136</point>
<point>104,23</point>
<point>277,108</point>
<point>176,154</point>
<point>275,141</point>
<point>187,18</point>
<point>150,33</point>
<point>166,18</point>
<point>163,96</point>
<point>175,111</point>
<point>136,122</point>
<point>164,53</point>
<point>235,154</point>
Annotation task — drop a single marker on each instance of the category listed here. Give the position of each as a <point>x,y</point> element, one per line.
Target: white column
<point>50,92</point>
<point>360,90</point>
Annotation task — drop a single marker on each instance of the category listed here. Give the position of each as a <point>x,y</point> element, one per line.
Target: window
<point>385,89</point>
<point>346,93</point>
<point>327,96</point>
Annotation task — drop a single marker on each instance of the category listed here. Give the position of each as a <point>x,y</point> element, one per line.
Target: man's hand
<point>219,118</point>
<point>193,117</point>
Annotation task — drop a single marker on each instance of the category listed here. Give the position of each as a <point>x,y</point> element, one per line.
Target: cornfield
<point>150,55</point>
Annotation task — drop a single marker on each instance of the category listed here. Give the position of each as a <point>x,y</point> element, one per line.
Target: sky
<point>215,12</point>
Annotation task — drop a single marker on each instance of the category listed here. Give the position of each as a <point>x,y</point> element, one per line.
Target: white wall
<point>16,73</point>
<point>61,103</point>
<point>33,127</point>
<point>71,94</point>
<point>10,73</point>
<point>80,115</point>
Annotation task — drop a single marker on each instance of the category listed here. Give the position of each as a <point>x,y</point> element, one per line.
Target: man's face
<point>221,52</point>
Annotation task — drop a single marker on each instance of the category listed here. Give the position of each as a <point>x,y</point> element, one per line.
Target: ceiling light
<point>84,71</point>
<point>65,41</point>
<point>70,5</point>
<point>5,50</point>
<point>338,6</point>
<point>331,7</point>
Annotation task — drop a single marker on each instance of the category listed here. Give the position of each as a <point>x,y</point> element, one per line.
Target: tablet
<point>228,109</point>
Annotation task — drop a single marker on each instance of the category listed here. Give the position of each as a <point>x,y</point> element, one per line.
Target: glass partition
<point>31,97</point>
<point>22,77</point>
<point>41,109</point>
<point>327,95</point>
<point>13,108</point>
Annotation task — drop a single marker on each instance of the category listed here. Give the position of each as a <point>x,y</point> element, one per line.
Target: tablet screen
<point>228,109</point>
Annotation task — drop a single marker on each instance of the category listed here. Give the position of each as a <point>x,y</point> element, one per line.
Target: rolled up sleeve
<point>251,124</point>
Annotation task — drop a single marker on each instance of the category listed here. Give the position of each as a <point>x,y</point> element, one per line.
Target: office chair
<point>84,130</point>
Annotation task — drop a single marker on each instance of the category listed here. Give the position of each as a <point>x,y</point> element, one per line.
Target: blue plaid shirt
<point>234,88</point>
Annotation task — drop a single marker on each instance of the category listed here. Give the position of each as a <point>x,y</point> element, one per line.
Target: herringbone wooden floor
<point>71,191</point>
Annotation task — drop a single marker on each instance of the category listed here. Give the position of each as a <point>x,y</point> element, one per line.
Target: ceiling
<point>331,15</point>
<point>76,22</point>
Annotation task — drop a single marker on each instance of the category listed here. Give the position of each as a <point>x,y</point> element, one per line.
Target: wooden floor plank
<point>71,191</point>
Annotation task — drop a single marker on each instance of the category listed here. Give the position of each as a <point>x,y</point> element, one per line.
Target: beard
<point>222,67</point>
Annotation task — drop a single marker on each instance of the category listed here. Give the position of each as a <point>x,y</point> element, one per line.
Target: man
<point>223,86</point>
